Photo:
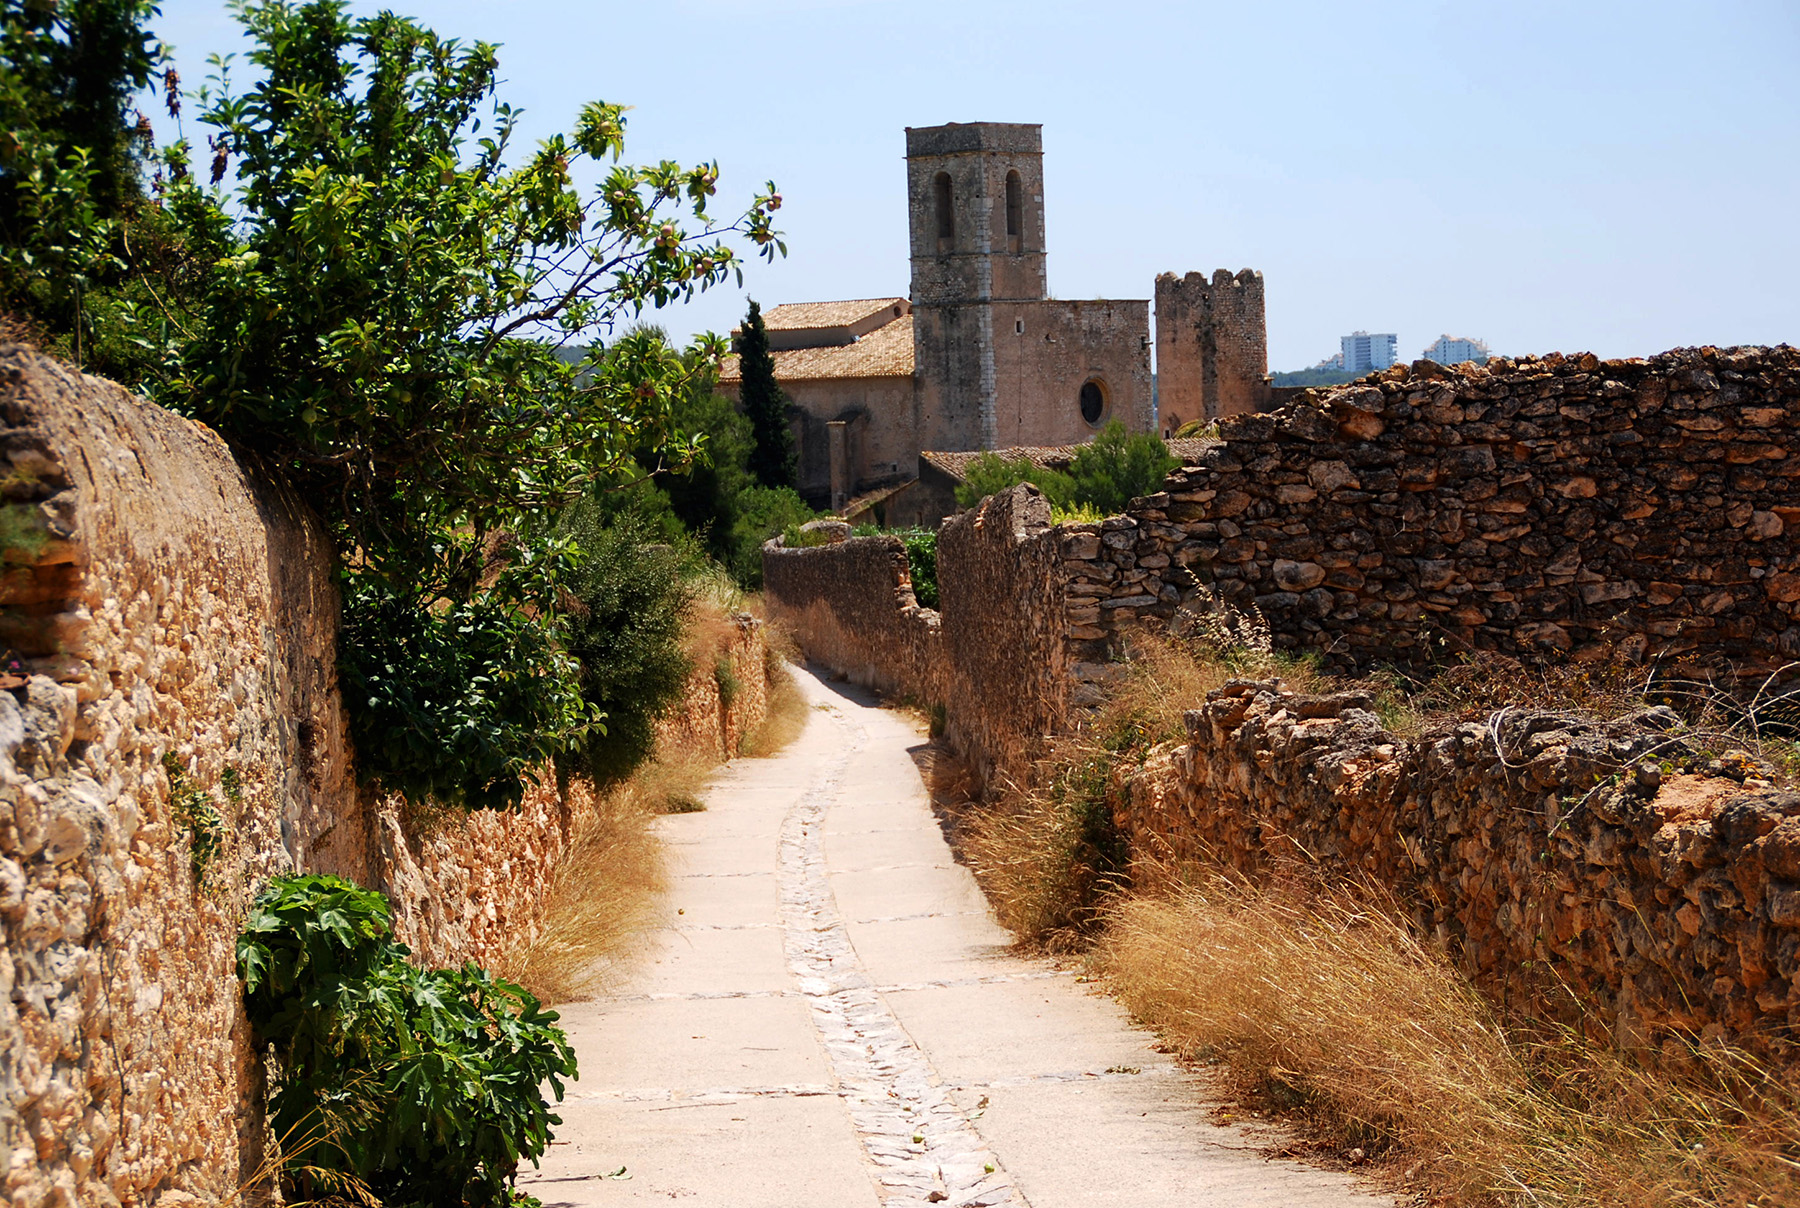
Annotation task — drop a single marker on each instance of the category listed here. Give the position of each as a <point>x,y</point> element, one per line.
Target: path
<point>832,1020</point>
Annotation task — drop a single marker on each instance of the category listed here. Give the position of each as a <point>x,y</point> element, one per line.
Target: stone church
<point>980,356</point>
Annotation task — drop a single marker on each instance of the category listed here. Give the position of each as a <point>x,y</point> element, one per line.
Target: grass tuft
<point>786,715</point>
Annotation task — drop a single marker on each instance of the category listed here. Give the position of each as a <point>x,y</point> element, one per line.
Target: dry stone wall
<point>1537,507</point>
<point>1543,849</point>
<point>850,605</point>
<point>998,674</point>
<point>156,600</point>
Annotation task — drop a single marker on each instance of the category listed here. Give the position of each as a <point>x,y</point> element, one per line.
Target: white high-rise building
<point>1365,353</point>
<point>1454,350</point>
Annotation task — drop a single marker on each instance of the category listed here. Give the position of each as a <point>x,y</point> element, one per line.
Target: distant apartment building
<point>1454,350</point>
<point>1365,353</point>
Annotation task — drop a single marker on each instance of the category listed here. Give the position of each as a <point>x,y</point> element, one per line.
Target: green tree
<point>761,513</point>
<point>74,215</point>
<point>382,325</point>
<point>765,403</point>
<point>1117,466</point>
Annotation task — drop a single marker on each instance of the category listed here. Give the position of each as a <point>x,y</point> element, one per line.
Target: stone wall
<point>999,674</point>
<point>1212,352</point>
<point>1006,681</point>
<point>1530,844</point>
<point>1547,508</point>
<point>850,606</point>
<point>1536,507</point>
<point>159,600</point>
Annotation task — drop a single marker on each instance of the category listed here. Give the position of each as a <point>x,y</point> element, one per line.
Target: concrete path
<point>830,1019</point>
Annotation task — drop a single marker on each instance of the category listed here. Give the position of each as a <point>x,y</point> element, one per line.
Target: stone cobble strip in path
<point>923,1148</point>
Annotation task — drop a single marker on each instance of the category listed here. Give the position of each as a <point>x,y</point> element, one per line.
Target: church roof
<point>885,352</point>
<point>804,316</point>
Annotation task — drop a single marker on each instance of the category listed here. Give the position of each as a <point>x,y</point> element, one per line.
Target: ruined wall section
<point>994,661</point>
<point>1006,673</point>
<point>850,607</point>
<point>1212,350</point>
<point>1537,507</point>
<point>1661,901</point>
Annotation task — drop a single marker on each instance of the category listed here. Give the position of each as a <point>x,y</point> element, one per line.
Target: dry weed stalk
<point>1322,1001</point>
<point>1048,856</point>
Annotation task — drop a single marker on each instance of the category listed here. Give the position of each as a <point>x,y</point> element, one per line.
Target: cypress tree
<point>765,405</point>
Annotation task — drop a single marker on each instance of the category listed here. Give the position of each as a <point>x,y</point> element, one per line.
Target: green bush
<point>410,1086</point>
<point>1118,466</point>
<point>763,512</point>
<point>921,558</point>
<point>457,703</point>
<point>990,474</point>
<point>624,629</point>
<point>1106,474</point>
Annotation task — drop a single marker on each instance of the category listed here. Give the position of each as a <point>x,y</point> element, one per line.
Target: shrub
<point>624,630</point>
<point>417,1087</point>
<point>458,703</point>
<point>921,561</point>
<point>762,512</point>
<point>990,473</point>
<point>1118,466</point>
<point>921,558</point>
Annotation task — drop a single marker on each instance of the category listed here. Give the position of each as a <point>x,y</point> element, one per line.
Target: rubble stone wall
<point>851,608</point>
<point>1530,844</point>
<point>1006,676</point>
<point>1534,507</point>
<point>156,600</point>
<point>994,662</point>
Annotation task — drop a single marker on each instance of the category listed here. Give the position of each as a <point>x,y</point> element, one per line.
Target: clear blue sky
<point>1614,177</point>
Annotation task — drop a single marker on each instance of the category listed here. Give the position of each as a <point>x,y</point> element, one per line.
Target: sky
<point>1620,178</point>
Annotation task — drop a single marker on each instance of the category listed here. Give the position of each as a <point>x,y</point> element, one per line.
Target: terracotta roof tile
<point>885,352</point>
<point>802,316</point>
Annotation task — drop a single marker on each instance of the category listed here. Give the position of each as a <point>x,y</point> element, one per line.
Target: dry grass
<point>1048,857</point>
<point>601,900</point>
<point>1164,676</point>
<point>787,712</point>
<point>1322,1003</point>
